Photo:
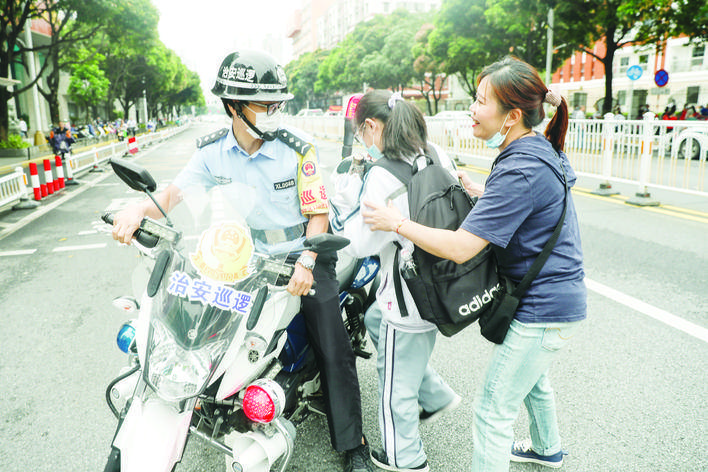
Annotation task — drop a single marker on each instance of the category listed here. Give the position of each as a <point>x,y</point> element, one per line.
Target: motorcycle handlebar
<point>143,237</point>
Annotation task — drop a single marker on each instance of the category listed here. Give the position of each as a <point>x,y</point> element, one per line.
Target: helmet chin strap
<point>268,136</point>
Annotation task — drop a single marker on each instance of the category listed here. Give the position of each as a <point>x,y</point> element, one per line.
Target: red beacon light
<point>263,401</point>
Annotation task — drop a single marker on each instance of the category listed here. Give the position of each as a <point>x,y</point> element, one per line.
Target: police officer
<point>293,202</point>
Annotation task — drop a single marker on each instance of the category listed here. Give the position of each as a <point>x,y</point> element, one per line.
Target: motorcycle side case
<point>152,436</point>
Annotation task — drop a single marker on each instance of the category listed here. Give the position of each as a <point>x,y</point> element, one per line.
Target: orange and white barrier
<point>60,172</point>
<point>48,186</point>
<point>132,145</point>
<point>34,178</point>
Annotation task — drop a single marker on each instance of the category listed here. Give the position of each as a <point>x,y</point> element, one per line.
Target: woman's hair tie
<point>396,96</point>
<point>552,99</point>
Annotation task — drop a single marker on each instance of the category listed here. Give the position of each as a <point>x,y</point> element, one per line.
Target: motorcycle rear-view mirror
<point>325,242</point>
<point>133,175</point>
<point>348,140</point>
<point>351,105</point>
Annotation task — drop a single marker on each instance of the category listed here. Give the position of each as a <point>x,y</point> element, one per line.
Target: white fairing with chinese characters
<point>214,309</point>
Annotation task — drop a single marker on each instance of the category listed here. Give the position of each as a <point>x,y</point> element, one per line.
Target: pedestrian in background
<point>521,204</point>
<point>23,127</point>
<point>391,128</point>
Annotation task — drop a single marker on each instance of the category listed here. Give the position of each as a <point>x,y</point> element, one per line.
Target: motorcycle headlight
<point>176,373</point>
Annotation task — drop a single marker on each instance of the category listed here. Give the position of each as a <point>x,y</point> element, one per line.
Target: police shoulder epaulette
<point>210,138</point>
<point>293,142</point>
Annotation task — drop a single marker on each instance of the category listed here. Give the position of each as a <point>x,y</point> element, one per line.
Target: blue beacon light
<point>126,336</point>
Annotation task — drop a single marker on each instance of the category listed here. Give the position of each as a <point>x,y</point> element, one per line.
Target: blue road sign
<point>661,78</point>
<point>634,72</point>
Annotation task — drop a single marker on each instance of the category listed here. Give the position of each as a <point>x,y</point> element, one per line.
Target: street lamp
<point>145,106</point>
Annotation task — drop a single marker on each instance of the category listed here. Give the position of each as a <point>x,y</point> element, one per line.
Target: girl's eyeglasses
<point>271,107</point>
<point>357,134</point>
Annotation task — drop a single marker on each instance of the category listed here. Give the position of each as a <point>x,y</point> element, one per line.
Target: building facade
<point>581,79</point>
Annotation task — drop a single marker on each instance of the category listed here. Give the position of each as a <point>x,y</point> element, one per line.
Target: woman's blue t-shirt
<point>521,206</point>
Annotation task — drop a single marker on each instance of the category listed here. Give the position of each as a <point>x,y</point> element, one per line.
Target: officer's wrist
<point>306,260</point>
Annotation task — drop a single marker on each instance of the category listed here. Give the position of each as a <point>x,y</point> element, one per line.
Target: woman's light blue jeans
<point>518,371</point>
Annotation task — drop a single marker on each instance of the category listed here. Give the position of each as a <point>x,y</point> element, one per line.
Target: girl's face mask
<point>372,150</point>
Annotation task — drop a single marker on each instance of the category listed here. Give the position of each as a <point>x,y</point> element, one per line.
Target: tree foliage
<point>94,41</point>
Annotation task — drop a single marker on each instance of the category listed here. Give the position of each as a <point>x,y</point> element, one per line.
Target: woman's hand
<point>382,218</point>
<point>473,189</point>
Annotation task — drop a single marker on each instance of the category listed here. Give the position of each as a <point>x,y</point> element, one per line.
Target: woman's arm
<point>458,246</point>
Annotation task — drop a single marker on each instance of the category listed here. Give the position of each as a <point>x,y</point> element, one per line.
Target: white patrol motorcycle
<point>218,347</point>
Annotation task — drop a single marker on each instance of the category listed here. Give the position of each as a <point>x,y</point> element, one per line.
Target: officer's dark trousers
<point>335,357</point>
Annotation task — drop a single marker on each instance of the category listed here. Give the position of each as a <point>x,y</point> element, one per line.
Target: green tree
<point>302,78</point>
<point>377,54</point>
<point>88,85</point>
<point>428,70</point>
<point>463,40</point>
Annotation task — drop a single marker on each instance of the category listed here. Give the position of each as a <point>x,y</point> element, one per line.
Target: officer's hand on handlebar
<point>300,282</point>
<point>126,222</point>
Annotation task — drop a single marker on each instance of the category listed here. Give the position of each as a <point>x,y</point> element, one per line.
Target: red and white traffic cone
<point>132,145</point>
<point>34,177</point>
<point>48,177</point>
<point>60,172</point>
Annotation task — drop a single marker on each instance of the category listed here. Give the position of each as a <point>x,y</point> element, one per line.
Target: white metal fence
<point>649,152</point>
<point>13,187</point>
<point>87,160</point>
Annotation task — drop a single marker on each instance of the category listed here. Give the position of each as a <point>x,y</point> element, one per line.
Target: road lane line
<point>649,310</point>
<point>19,252</point>
<point>79,248</point>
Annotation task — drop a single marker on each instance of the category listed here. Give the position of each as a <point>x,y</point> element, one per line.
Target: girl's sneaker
<point>379,458</point>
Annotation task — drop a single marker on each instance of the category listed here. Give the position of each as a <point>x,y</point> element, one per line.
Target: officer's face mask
<point>266,121</point>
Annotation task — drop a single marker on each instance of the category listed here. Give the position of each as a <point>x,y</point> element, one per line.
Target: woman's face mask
<point>497,140</point>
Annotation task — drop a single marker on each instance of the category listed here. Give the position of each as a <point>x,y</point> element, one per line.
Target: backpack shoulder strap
<point>401,170</point>
<point>397,282</point>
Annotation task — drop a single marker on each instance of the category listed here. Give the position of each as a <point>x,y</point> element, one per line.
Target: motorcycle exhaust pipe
<point>258,450</point>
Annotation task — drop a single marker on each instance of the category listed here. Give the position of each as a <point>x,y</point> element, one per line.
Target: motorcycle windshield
<point>205,287</point>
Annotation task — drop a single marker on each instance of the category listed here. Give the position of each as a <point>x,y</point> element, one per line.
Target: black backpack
<point>450,295</point>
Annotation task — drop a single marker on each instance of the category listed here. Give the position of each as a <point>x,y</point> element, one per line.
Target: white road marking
<point>20,252</point>
<point>649,310</point>
<point>79,248</point>
<point>84,233</point>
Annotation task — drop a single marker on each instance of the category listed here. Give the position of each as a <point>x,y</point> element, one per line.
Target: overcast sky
<point>203,32</point>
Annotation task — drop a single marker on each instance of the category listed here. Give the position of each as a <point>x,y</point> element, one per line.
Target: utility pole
<point>549,47</point>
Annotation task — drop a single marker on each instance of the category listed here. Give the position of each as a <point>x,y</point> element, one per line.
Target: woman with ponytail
<point>521,204</point>
<point>391,128</point>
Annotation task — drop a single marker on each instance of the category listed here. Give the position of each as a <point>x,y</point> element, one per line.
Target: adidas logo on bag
<point>477,302</point>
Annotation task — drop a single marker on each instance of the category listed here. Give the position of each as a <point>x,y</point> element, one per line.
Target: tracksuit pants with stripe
<point>406,381</point>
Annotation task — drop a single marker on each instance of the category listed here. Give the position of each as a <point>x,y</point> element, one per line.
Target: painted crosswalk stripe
<point>19,252</point>
<point>79,248</point>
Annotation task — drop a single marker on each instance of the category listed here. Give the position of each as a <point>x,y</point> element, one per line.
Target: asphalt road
<point>632,388</point>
